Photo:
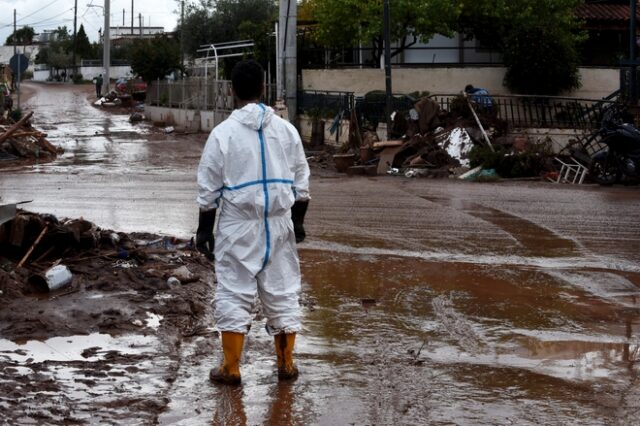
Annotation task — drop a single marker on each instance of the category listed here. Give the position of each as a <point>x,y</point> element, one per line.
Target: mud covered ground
<point>424,302</point>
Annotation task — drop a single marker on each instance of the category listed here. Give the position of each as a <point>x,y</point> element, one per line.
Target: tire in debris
<point>604,171</point>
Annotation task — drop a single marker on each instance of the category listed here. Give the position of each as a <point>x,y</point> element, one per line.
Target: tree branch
<point>404,46</point>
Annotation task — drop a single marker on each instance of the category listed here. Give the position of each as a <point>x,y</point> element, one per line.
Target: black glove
<point>298,210</point>
<point>204,234</point>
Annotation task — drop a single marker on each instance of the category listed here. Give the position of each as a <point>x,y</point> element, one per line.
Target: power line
<point>53,17</point>
<point>39,22</point>
<point>38,11</point>
<point>50,24</point>
<point>87,9</point>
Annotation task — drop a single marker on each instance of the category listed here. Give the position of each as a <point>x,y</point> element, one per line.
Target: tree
<point>60,59</point>
<point>23,36</point>
<point>155,58</point>
<point>197,28</point>
<point>62,39</point>
<point>539,40</point>
<point>218,21</point>
<point>346,23</point>
<point>84,49</point>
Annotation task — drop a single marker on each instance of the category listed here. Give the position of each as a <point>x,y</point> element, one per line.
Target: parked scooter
<point>621,161</point>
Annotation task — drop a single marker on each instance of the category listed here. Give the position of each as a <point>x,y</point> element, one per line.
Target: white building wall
<point>596,82</point>
<point>446,50</point>
<point>6,53</point>
<point>88,73</point>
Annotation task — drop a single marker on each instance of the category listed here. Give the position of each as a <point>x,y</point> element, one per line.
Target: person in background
<point>98,81</point>
<point>254,171</point>
<point>480,97</point>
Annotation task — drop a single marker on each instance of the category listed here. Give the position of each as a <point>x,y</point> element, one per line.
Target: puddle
<point>603,285</point>
<point>593,262</point>
<point>91,348</point>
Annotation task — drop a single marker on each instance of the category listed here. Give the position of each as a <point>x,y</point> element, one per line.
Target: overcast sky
<point>49,14</point>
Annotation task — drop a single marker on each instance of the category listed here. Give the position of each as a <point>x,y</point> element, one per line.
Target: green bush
<point>511,164</point>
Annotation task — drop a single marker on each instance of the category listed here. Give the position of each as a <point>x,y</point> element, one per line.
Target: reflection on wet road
<point>425,302</point>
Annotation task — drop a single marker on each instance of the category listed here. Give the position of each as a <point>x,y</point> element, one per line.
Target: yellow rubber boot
<point>229,371</point>
<point>284,352</point>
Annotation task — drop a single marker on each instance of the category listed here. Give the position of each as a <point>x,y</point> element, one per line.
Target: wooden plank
<point>387,144</point>
<point>15,127</point>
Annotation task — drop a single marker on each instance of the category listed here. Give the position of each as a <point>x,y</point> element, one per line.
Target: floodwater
<point>424,301</point>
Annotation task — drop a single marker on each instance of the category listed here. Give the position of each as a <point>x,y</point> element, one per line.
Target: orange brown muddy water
<point>424,301</point>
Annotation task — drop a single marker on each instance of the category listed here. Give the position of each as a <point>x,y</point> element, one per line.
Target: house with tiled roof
<point>607,24</point>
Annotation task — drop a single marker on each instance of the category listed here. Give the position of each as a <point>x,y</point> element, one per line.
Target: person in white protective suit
<point>254,171</point>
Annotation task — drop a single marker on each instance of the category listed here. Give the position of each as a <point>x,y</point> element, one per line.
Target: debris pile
<point>427,141</point>
<point>20,140</point>
<point>39,253</point>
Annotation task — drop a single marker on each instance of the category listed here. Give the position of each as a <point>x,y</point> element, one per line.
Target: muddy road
<point>425,301</point>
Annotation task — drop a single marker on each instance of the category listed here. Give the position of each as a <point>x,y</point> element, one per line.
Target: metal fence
<point>98,62</point>
<point>414,56</point>
<point>542,111</point>
<point>324,103</point>
<point>516,110</point>
<point>197,94</point>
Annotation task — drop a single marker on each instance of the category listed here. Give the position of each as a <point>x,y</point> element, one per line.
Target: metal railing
<point>411,56</point>
<point>517,110</point>
<point>542,111</point>
<point>322,103</point>
<point>98,62</point>
<point>197,94</point>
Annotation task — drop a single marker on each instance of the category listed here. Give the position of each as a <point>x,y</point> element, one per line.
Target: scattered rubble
<point>20,140</point>
<point>39,253</point>
<point>430,142</point>
<point>101,322</point>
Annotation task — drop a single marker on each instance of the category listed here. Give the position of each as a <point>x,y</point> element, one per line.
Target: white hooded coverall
<point>255,163</point>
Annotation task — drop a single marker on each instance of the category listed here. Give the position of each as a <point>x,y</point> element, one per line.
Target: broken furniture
<point>571,171</point>
<point>388,153</point>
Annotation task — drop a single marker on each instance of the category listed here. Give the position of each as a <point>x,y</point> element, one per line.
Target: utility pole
<point>106,54</point>
<point>123,16</point>
<point>633,52</point>
<point>279,64</point>
<point>287,36</point>
<point>387,64</point>
<point>140,23</point>
<point>131,17</point>
<point>75,36</point>
<point>16,84</point>
<point>15,38</point>
<point>181,34</point>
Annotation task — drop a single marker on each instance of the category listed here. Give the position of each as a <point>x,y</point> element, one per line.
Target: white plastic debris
<point>458,146</point>
<point>53,279</point>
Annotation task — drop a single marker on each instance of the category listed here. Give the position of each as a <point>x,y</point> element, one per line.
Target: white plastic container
<point>57,277</point>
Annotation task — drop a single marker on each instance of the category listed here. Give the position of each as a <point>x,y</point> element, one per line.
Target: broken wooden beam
<point>15,127</point>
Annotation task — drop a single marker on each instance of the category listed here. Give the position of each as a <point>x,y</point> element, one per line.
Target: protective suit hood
<point>254,116</point>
